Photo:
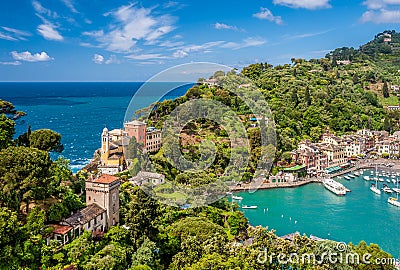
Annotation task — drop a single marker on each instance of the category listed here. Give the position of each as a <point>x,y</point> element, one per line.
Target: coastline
<point>368,164</point>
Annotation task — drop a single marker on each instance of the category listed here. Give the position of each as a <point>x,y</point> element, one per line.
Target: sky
<point>93,40</point>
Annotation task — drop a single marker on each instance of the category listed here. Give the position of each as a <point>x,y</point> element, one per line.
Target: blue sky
<point>93,40</point>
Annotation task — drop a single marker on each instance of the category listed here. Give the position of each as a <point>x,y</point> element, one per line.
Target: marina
<point>312,209</point>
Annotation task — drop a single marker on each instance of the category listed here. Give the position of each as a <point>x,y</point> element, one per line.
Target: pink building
<point>136,129</point>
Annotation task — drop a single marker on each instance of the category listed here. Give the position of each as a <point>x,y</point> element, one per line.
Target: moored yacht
<point>374,189</point>
<point>334,187</point>
<point>394,201</point>
<point>366,178</point>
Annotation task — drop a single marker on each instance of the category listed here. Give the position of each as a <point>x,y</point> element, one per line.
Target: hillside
<point>306,97</point>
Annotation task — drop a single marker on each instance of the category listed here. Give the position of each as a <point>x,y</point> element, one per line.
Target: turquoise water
<point>78,111</point>
<point>311,209</point>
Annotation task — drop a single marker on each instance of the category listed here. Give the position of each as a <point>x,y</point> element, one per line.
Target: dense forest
<point>306,97</point>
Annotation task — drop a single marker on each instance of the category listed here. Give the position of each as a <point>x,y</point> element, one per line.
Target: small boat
<point>357,174</point>
<point>366,178</point>
<point>374,189</point>
<point>352,175</point>
<point>237,198</point>
<point>387,190</point>
<point>381,180</point>
<point>249,206</point>
<point>393,181</point>
<point>397,190</point>
<point>387,180</point>
<point>346,177</point>
<point>394,201</point>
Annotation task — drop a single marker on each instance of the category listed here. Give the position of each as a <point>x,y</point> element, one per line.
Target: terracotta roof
<point>61,229</point>
<point>106,179</point>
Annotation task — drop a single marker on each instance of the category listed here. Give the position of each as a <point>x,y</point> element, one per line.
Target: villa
<point>101,212</point>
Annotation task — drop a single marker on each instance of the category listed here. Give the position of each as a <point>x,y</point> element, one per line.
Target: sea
<point>313,210</point>
<point>80,111</point>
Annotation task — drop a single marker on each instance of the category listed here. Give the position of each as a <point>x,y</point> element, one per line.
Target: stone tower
<point>104,191</point>
<point>105,145</point>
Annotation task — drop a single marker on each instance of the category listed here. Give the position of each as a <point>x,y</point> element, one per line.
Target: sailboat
<point>395,200</point>
<point>374,187</point>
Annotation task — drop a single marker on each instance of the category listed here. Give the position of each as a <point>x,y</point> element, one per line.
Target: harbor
<point>312,209</point>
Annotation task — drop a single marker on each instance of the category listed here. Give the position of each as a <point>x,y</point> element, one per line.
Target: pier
<point>269,185</point>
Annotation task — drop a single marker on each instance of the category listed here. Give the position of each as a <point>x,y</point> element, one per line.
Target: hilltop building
<point>149,137</point>
<point>101,212</point>
<point>112,158</point>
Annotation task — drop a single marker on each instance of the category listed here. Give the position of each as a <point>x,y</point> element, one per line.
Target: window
<point>95,221</point>
<point>101,216</point>
<point>89,224</point>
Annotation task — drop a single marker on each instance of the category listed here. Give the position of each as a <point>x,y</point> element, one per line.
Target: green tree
<point>47,140</point>
<point>24,175</point>
<point>7,131</point>
<point>385,90</point>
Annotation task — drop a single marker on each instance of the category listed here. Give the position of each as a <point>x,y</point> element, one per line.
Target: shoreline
<point>368,164</point>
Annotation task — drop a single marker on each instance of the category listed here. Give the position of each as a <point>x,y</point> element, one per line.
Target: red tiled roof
<point>106,179</point>
<point>61,229</point>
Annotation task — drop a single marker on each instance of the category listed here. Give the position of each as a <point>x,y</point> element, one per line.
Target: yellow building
<point>112,159</point>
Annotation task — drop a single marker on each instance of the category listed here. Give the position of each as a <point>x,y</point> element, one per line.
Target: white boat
<point>381,180</point>
<point>346,177</point>
<point>397,190</point>
<point>249,206</point>
<point>387,180</point>
<point>375,190</point>
<point>387,190</point>
<point>357,174</point>
<point>334,187</point>
<point>366,178</point>
<point>374,187</point>
<point>352,176</point>
<point>394,201</point>
<point>237,198</point>
<point>393,181</point>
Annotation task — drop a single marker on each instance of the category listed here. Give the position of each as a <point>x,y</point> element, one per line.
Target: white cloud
<point>49,32</point>
<point>307,4</point>
<point>379,4</point>
<point>133,24</point>
<point>98,59</point>
<point>184,51</point>
<point>42,10</point>
<point>13,34</point>
<point>381,16</point>
<point>305,35</point>
<point>220,26</point>
<point>146,56</point>
<point>7,37</point>
<point>68,4</point>
<point>112,60</point>
<point>248,42</point>
<point>179,54</point>
<point>13,63</point>
<point>28,57</point>
<point>266,14</point>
